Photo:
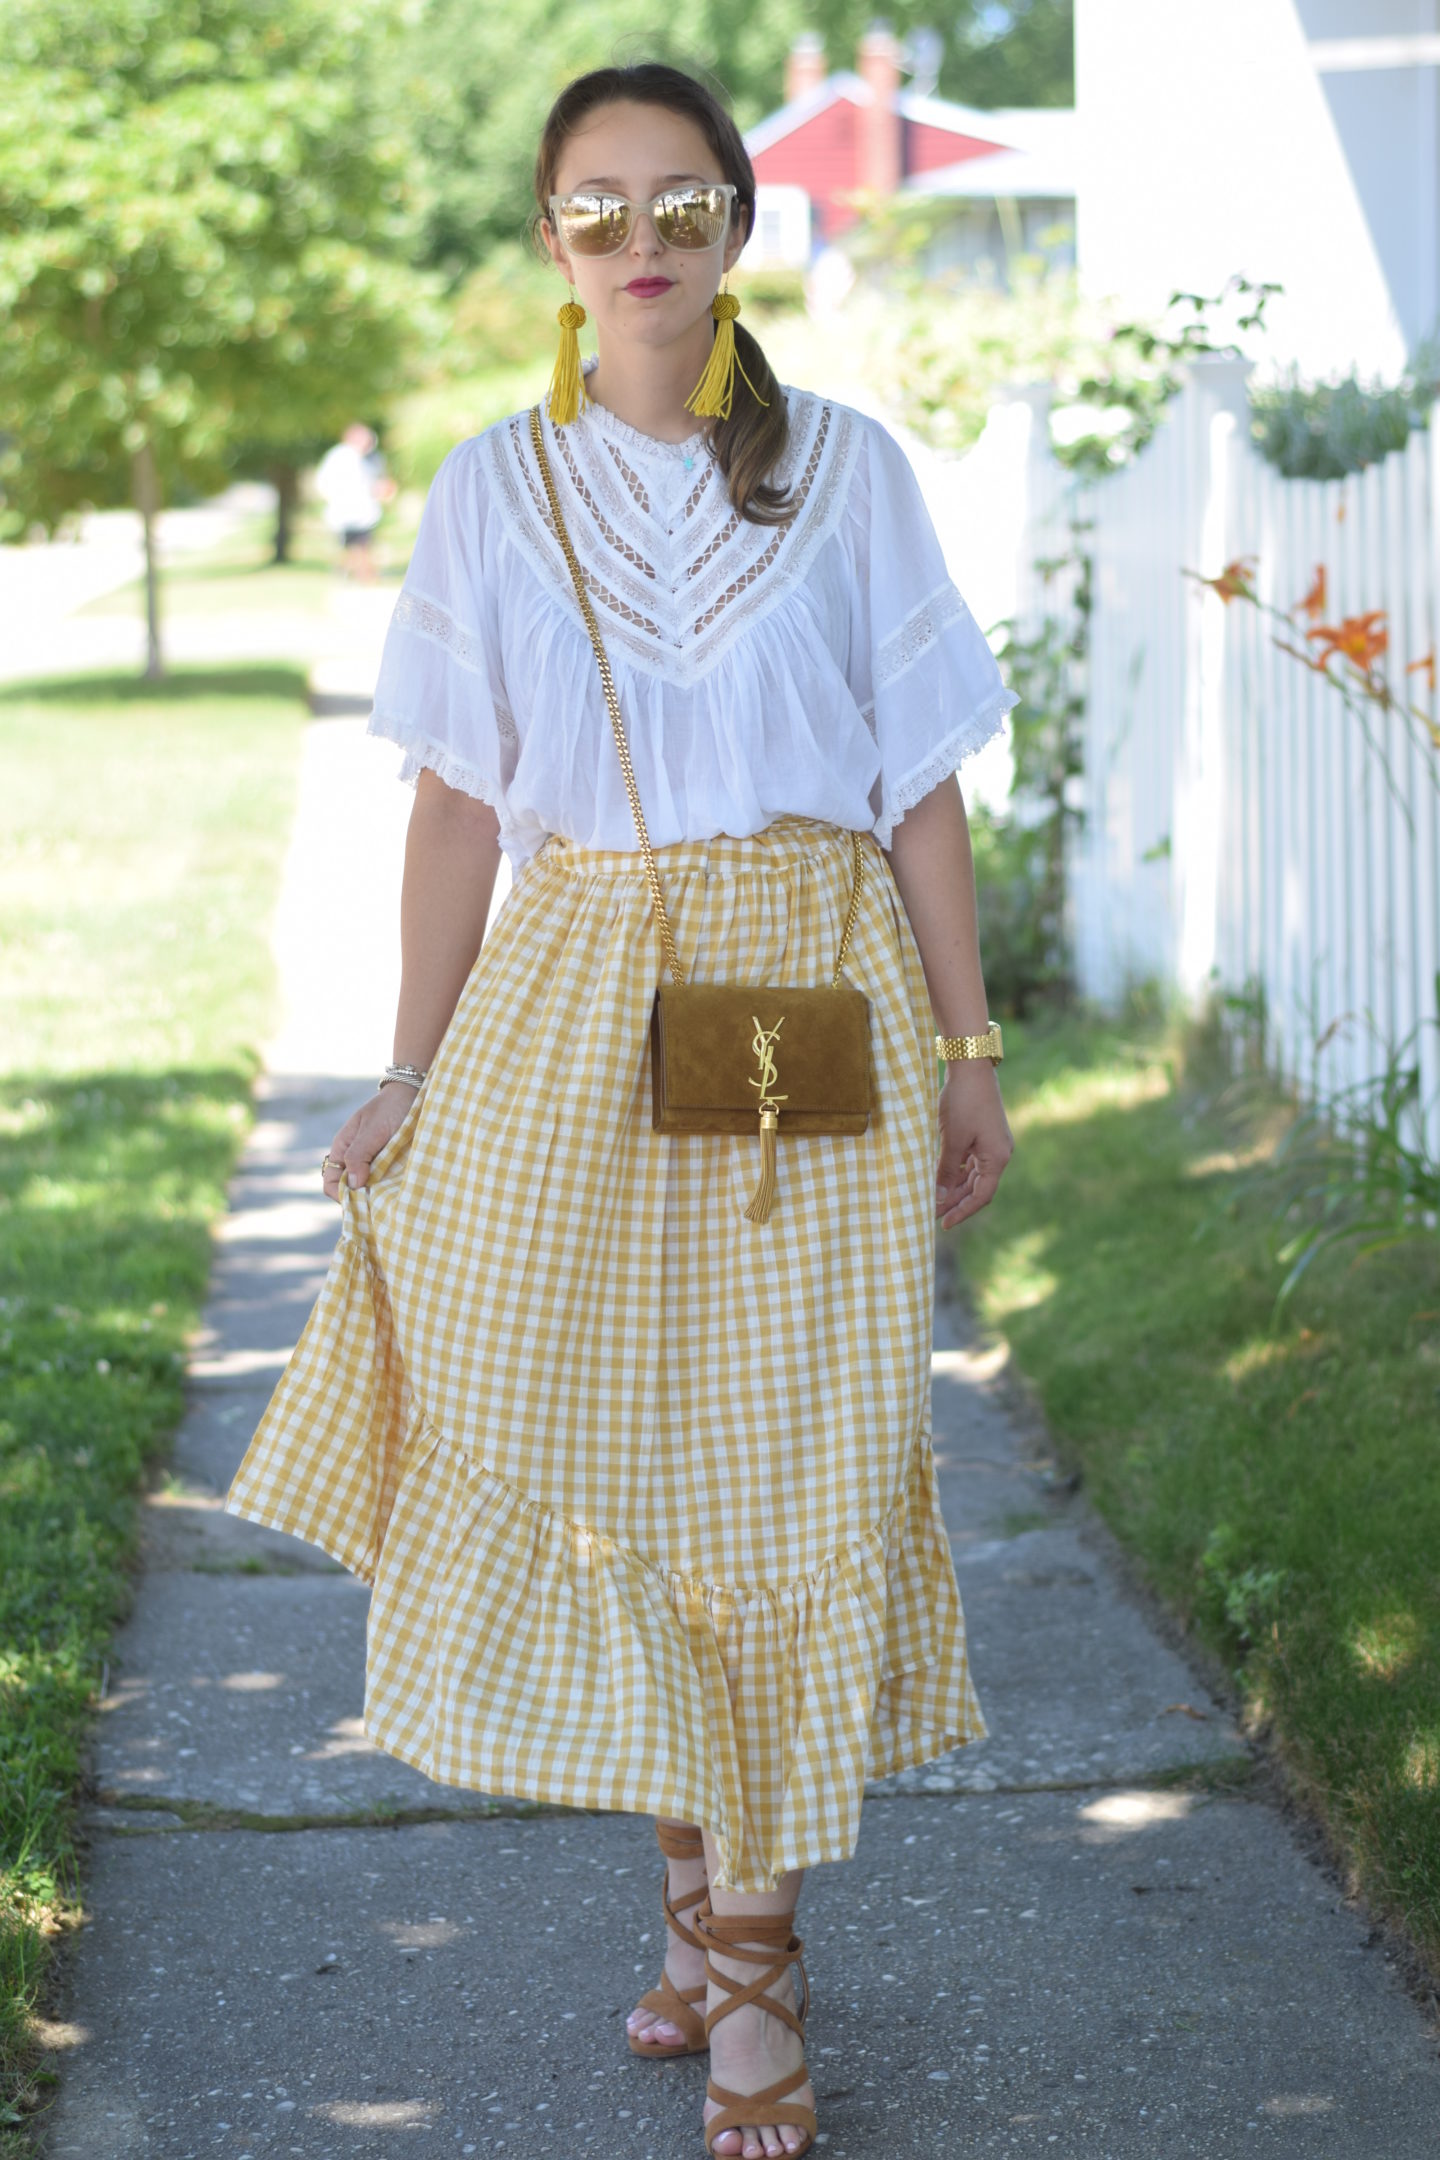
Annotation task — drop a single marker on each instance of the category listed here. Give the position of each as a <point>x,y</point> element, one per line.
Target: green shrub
<point>769,292</point>
<point>1321,431</point>
<point>1022,965</point>
<point>953,349</point>
<point>503,316</point>
<point>1021,857</point>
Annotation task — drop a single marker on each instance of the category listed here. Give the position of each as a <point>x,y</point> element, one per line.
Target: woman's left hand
<point>975,1140</point>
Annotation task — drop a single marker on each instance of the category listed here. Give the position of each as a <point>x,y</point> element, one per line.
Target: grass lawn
<point>142,830</point>
<point>1278,1489</point>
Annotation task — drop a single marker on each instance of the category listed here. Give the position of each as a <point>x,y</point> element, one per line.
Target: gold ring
<point>329,1163</point>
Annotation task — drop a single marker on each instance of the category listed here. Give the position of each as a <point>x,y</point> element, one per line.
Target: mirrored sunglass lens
<point>691,217</point>
<point>593,224</point>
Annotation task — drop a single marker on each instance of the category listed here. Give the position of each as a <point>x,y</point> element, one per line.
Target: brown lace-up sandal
<point>676,2005</point>
<point>734,1932</point>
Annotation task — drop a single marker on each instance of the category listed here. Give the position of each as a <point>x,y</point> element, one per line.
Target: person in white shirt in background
<point>353,485</point>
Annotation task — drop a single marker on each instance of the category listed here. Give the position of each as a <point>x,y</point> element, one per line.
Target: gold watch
<point>951,1047</point>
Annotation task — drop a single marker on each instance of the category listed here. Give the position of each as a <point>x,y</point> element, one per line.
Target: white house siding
<point>1223,136</point>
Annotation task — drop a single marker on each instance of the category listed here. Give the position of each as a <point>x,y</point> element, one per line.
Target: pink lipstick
<point>645,288</point>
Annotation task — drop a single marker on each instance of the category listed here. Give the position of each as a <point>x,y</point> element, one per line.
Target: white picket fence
<point>1238,831</point>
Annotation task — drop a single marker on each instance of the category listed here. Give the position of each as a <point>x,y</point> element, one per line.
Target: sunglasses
<point>685,217</point>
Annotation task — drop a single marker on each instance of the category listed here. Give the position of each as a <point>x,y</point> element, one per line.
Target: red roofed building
<point>861,130</point>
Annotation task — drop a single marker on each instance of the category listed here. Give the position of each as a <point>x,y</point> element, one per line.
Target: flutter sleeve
<point>920,670</point>
<point>440,692</point>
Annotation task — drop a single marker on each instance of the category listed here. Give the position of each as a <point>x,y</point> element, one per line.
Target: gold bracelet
<point>953,1047</point>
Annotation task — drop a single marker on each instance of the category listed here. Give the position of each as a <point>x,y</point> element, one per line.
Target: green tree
<point>1018,53</point>
<point>478,81</point>
<point>204,226</point>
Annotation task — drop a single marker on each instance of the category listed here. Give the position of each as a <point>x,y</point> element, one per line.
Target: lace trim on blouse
<point>920,629</point>
<point>673,586</point>
<point>429,620</point>
<point>423,755</point>
<point>972,734</point>
<point>909,642</point>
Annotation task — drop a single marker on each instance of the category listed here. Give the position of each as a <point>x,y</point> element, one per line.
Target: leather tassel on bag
<point>565,383</point>
<point>714,393</point>
<point>759,1208</point>
<point>768,1103</point>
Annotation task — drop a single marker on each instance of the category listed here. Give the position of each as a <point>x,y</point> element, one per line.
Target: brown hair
<point>748,445</point>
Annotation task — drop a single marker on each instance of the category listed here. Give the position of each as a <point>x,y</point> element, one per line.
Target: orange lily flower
<point>1356,639</point>
<point>1425,666</point>
<point>1313,603</point>
<point>1236,581</point>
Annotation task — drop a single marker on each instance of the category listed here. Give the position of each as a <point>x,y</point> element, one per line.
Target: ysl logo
<point>764,1049</point>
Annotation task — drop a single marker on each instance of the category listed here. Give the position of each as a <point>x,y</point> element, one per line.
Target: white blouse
<point>826,668</point>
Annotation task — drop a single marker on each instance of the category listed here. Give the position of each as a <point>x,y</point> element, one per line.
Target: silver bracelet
<point>410,1074</point>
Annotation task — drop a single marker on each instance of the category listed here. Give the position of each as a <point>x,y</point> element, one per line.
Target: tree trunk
<point>147,502</point>
<point>287,498</point>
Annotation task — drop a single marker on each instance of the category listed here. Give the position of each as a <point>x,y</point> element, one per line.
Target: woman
<point>644,1485</point>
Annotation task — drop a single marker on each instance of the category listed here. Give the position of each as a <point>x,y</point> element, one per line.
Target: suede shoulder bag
<point>718,1060</point>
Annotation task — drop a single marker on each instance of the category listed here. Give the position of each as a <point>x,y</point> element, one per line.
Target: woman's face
<point>639,150</point>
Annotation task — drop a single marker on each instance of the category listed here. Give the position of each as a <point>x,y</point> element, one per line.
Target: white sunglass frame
<point>727,188</point>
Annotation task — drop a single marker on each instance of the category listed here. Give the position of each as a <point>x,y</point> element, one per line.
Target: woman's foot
<point>750,2050</point>
<point>684,1964</point>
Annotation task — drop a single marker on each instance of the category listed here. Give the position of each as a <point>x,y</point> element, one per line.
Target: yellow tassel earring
<point>567,383</point>
<point>712,395</point>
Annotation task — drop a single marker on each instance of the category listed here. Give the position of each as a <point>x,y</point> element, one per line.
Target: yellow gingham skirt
<point>645,1490</point>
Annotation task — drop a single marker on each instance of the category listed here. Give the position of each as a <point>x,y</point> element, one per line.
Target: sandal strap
<point>737,1928</point>
<point>677,2007</point>
<point>757,1992</point>
<point>737,2109</point>
<point>724,1928</point>
<point>685,1844</point>
<point>680,1845</point>
<point>673,1908</point>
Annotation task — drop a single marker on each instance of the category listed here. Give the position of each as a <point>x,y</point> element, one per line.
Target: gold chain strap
<point>608,683</point>
<point>672,957</point>
<point>858,857</point>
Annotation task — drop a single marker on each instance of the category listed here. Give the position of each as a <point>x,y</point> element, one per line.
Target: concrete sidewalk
<point>46,581</point>
<point>45,588</point>
<point>1077,1938</point>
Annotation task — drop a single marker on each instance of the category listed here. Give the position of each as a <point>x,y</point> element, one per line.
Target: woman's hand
<point>934,870</point>
<point>362,1136</point>
<point>975,1140</point>
<point>452,851</point>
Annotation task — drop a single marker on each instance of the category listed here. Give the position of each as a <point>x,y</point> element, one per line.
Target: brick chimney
<point>804,66</point>
<point>878,65</point>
